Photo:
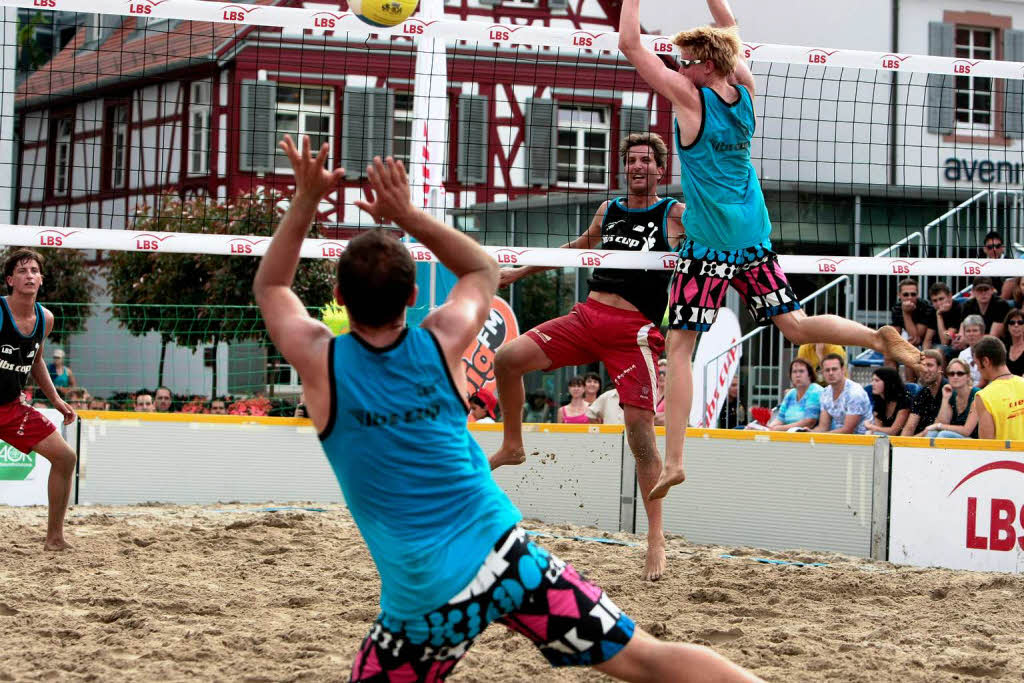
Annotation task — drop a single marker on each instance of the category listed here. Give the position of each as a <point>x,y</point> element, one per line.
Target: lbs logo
<point>963,67</point>
<point>237,13</point>
<point>144,8</point>
<point>669,262</point>
<point>591,259</point>
<point>241,245</point>
<point>1004,515</point>
<point>416,26</point>
<point>748,49</point>
<point>331,249</point>
<point>829,265</point>
<point>500,33</point>
<point>893,61</point>
<point>974,267</point>
<point>145,241</point>
<point>327,20</point>
<point>901,267</point>
<point>53,238</point>
<point>420,254</point>
<point>49,4</point>
<point>819,56</point>
<point>585,39</point>
<point>508,257</point>
<point>662,46</point>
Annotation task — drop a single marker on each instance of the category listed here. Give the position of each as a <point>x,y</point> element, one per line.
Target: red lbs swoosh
<point>999,465</point>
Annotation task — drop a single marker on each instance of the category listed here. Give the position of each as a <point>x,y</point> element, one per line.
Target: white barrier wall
<point>957,508</point>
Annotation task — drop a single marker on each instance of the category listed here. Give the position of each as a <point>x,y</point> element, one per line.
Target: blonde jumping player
<point>727,227</point>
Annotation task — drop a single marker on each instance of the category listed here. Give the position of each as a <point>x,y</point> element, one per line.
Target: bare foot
<point>896,348</point>
<point>508,455</point>
<point>56,545</point>
<point>654,566</point>
<point>670,476</point>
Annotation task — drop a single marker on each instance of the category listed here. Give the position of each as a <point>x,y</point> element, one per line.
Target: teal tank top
<point>416,482</point>
<point>725,208</point>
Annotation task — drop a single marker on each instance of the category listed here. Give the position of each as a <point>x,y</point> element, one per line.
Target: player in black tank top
<point>23,331</point>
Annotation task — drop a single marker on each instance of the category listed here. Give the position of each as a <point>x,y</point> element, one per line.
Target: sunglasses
<point>909,295</point>
<point>956,373</point>
<point>687,63</point>
<point>994,245</point>
<point>1016,321</point>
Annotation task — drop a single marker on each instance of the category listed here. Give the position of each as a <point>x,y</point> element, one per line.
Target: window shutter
<point>258,126</point>
<point>1013,51</point>
<point>541,132</point>
<point>558,4</point>
<point>634,120</point>
<point>940,109</point>
<point>473,159</point>
<point>368,124</point>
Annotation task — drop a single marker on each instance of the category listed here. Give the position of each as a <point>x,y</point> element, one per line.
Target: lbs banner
<point>23,476</point>
<point>959,509</point>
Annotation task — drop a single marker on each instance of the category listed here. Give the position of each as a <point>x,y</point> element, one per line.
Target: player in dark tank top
<point>23,330</point>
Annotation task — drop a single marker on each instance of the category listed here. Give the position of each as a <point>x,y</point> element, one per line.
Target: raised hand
<point>390,198</point>
<point>312,179</point>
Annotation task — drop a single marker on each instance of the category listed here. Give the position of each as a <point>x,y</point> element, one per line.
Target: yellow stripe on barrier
<point>781,437</point>
<point>956,444</point>
<point>193,417</point>
<point>553,428</point>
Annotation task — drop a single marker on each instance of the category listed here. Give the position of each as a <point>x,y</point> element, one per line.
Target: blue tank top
<point>416,482</point>
<point>725,208</point>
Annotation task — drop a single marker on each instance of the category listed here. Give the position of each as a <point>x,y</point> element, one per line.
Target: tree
<point>212,294</point>
<point>67,290</point>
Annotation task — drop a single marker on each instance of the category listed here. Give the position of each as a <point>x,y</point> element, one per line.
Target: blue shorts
<point>521,586</point>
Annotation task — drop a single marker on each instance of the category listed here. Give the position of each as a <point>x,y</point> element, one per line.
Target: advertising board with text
<point>23,476</point>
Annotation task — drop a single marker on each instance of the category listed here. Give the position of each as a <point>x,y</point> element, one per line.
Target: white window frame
<point>93,29</point>
<point>119,142</point>
<point>403,115</point>
<point>199,115</point>
<point>158,24</point>
<point>972,51</point>
<point>302,111</point>
<point>595,125</point>
<point>62,141</point>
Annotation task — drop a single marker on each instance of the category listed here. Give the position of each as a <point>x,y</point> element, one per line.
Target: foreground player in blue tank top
<point>727,224</point>
<point>387,402</point>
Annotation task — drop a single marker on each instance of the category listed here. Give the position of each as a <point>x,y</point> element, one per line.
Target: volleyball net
<point>151,129</point>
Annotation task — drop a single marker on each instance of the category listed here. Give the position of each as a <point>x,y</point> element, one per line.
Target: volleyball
<point>383,12</point>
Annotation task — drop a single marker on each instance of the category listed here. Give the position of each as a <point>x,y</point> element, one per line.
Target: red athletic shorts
<point>625,341</point>
<point>23,426</point>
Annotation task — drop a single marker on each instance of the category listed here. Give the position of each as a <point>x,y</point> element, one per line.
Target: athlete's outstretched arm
<point>590,239</point>
<point>724,18</point>
<point>667,82</point>
<point>459,319</point>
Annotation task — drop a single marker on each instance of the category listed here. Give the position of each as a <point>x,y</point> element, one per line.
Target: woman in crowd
<point>891,401</point>
<point>801,405</point>
<point>591,387</point>
<point>956,418</point>
<point>1013,323</point>
<point>575,411</point>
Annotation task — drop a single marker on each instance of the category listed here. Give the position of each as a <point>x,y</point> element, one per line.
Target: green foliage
<point>67,280</point>
<point>30,55</point>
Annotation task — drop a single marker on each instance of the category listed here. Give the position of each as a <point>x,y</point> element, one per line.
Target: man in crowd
<point>144,402</point>
<point>845,406</point>
<point>1001,403</point>
<point>97,403</point>
<point>78,398</point>
<point>606,409</point>
<point>218,406</point>
<point>910,314</point>
<point>945,325</point>
<point>734,413</point>
<point>162,400</point>
<point>985,302</point>
<point>995,249</point>
<point>973,329</point>
<point>928,401</point>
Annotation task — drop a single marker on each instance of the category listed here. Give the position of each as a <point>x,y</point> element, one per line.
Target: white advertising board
<point>714,365</point>
<point>23,476</point>
<point>959,509</point>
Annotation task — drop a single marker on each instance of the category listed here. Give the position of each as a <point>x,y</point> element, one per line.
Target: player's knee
<point>505,359</point>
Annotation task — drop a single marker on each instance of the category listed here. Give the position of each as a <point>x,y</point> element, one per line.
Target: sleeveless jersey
<point>1004,399</point>
<point>417,484</point>
<point>725,208</point>
<point>626,229</point>
<point>17,352</point>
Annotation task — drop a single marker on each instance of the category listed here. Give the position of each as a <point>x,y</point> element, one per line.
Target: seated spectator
<point>219,406</point>
<point>945,325</point>
<point>814,353</point>
<point>956,419</point>
<point>78,398</point>
<point>61,375</point>
<point>845,406</point>
<point>1000,405</point>
<point>538,408</point>
<point>928,401</point>
<point>891,402</point>
<point>734,414</point>
<point>481,407</point>
<point>144,402</point>
<point>988,305</point>
<point>1013,323</point>
<point>801,406</point>
<point>162,400</point>
<point>575,411</point>
<point>97,403</point>
<point>659,405</point>
<point>1018,292</point>
<point>994,248</point>
<point>973,329</point>
<point>591,387</point>
<point>607,409</point>
<point>910,314</point>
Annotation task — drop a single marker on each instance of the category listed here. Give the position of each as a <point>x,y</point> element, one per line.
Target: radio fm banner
<point>478,360</point>
<point>714,365</point>
<point>958,509</point>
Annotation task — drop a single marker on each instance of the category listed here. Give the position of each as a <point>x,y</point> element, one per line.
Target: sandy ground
<point>171,593</point>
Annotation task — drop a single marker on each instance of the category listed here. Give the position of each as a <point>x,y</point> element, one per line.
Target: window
<point>93,28</point>
<point>304,111</point>
<point>158,24</point>
<point>583,146</point>
<point>117,137</point>
<point>199,128</point>
<point>62,135</point>
<point>402,146</point>
<point>974,94</point>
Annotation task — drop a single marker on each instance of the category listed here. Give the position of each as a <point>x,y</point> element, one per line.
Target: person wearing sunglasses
<point>1014,324</point>
<point>994,248</point>
<point>956,418</point>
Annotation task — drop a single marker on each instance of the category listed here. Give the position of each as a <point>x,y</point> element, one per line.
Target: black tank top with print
<point>626,229</point>
<point>17,352</point>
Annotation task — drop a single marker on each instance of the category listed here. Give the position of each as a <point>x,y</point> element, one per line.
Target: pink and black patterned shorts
<point>704,275</point>
<point>521,586</point>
